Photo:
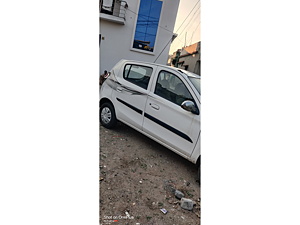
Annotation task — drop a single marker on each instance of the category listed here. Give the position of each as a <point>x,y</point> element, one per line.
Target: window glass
<point>196,82</point>
<point>138,75</point>
<point>172,88</point>
<point>147,24</point>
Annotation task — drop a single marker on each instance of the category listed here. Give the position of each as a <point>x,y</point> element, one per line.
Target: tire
<point>199,174</point>
<point>199,170</point>
<point>107,115</point>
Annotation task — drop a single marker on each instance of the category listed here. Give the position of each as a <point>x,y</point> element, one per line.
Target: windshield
<point>196,81</point>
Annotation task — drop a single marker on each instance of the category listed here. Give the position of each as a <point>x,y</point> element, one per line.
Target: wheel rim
<point>106,115</point>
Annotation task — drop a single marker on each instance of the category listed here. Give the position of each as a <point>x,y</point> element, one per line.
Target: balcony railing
<point>115,8</point>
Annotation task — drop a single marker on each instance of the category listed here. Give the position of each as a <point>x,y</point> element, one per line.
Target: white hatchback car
<point>159,101</point>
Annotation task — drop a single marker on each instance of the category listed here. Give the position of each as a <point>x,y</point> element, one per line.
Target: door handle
<point>119,89</point>
<point>154,106</point>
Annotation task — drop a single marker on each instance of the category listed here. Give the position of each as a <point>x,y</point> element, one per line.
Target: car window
<point>137,74</point>
<point>170,87</point>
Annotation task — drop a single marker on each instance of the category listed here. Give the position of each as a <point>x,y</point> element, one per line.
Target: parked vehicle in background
<point>159,101</point>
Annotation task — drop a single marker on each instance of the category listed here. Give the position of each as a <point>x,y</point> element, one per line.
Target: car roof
<point>187,73</point>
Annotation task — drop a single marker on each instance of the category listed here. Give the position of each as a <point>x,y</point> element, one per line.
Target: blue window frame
<point>147,24</point>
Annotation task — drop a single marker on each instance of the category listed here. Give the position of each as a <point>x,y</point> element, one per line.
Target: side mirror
<point>190,106</point>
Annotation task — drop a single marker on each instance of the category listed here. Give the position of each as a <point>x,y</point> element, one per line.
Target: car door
<point>165,119</point>
<point>131,92</point>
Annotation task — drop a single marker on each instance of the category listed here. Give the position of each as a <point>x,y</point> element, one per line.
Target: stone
<point>187,204</point>
<point>179,194</point>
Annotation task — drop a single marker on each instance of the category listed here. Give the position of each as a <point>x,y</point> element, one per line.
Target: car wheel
<point>199,174</point>
<point>107,115</point>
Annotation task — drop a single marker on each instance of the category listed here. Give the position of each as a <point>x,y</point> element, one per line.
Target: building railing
<point>115,8</point>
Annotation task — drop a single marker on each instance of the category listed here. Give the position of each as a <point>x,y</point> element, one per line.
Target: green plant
<point>149,217</point>
<point>189,194</point>
<point>144,166</point>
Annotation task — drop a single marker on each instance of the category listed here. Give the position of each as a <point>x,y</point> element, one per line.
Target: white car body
<point>141,106</point>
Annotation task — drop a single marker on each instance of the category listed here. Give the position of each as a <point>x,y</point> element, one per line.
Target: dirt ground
<point>138,178</point>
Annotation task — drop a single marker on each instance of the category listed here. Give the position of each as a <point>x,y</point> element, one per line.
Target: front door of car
<point>164,117</point>
<point>131,93</point>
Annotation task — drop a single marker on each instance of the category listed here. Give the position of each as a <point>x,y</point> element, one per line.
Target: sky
<point>188,32</point>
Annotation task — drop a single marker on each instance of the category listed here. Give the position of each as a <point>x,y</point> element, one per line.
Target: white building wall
<point>191,62</point>
<point>117,39</point>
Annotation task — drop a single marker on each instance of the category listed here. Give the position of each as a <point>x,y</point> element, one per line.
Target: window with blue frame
<point>147,24</point>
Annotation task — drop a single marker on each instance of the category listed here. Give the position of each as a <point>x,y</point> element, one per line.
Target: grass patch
<point>144,166</point>
<point>149,217</point>
<point>189,194</point>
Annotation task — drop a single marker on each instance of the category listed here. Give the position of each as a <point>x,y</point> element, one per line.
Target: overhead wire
<point>172,38</point>
<point>145,16</point>
<point>137,14</point>
<point>188,24</point>
<point>163,49</point>
<point>193,33</point>
<point>187,16</point>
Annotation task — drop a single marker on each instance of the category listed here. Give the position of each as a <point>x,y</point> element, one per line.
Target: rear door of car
<point>164,118</point>
<point>131,93</point>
